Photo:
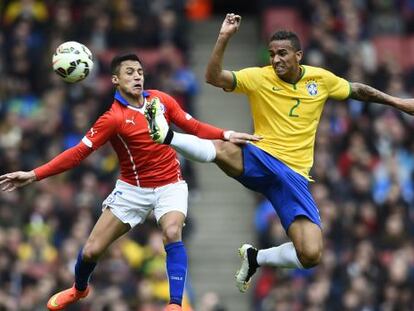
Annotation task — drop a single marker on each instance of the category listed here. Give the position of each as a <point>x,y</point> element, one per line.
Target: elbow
<point>212,76</point>
<point>212,79</point>
<point>209,78</point>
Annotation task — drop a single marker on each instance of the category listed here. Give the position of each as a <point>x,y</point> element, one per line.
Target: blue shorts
<point>287,190</point>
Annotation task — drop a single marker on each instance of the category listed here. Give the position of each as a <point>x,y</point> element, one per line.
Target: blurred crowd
<point>43,226</point>
<point>364,165</point>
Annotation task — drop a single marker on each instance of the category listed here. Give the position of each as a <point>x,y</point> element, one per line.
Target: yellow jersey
<point>287,115</point>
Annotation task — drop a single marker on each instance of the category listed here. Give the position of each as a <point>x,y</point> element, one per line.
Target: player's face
<point>284,59</point>
<point>130,79</point>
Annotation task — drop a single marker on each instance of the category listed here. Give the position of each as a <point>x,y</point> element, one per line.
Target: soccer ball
<point>72,61</point>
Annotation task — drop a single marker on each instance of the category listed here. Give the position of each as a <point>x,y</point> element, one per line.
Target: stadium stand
<point>364,164</point>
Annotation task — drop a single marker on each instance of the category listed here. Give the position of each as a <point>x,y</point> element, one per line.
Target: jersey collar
<point>123,101</point>
<point>302,74</point>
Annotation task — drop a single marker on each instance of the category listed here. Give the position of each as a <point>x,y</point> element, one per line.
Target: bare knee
<point>229,158</point>
<point>171,224</point>
<point>92,251</point>
<point>172,232</point>
<point>309,256</point>
<point>308,241</point>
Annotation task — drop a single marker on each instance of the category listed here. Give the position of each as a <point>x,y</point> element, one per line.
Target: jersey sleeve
<point>338,88</point>
<point>186,122</point>
<point>102,131</point>
<point>63,162</point>
<point>247,80</point>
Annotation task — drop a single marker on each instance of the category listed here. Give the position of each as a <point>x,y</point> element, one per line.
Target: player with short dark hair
<point>287,35</point>
<point>150,177</point>
<point>286,101</point>
<point>118,59</point>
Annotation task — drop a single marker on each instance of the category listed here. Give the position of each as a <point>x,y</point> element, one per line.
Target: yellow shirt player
<point>287,114</point>
<point>286,100</point>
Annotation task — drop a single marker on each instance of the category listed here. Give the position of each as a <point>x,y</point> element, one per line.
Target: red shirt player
<point>150,178</point>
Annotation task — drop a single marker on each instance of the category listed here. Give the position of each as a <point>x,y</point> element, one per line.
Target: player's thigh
<point>306,236</point>
<point>173,218</point>
<point>171,203</point>
<point>229,158</point>
<point>170,210</point>
<point>130,204</point>
<point>107,229</point>
<point>171,225</point>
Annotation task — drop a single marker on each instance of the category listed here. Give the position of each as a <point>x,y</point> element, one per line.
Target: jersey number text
<point>292,110</point>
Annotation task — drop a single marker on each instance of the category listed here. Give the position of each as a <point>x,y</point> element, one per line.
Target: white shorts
<point>132,204</point>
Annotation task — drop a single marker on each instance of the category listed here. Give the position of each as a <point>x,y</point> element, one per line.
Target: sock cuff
<point>252,257</point>
<point>80,259</point>
<point>173,245</point>
<point>168,137</point>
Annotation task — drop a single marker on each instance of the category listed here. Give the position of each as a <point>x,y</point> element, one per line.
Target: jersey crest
<point>312,87</point>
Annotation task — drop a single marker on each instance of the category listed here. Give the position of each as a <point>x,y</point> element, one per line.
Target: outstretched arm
<point>367,93</point>
<point>61,163</point>
<point>15,180</point>
<point>207,131</point>
<point>175,114</point>
<point>215,74</point>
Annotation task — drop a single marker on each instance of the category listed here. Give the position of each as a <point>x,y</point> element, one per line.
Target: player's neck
<point>293,77</point>
<point>137,102</point>
<point>132,100</point>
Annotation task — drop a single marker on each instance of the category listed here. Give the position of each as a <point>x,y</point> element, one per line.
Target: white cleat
<point>246,271</point>
<point>157,124</point>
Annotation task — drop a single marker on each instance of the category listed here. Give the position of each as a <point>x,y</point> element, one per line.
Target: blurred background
<point>363,167</point>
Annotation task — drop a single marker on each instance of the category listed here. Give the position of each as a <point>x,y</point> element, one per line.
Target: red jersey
<point>143,162</point>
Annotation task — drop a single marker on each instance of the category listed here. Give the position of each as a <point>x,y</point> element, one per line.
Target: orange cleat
<point>173,307</point>
<point>64,298</point>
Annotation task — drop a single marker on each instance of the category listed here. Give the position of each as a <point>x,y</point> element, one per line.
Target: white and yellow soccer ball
<point>72,61</point>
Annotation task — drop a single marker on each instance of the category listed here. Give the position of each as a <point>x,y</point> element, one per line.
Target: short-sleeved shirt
<point>287,115</point>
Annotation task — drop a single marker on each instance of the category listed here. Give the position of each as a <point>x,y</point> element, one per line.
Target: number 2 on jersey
<point>292,110</point>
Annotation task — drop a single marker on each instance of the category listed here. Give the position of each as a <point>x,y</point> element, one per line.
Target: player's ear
<point>299,55</point>
<point>115,80</point>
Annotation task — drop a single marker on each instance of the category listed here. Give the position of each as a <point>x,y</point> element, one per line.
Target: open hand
<point>242,138</point>
<point>12,181</point>
<point>230,24</point>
